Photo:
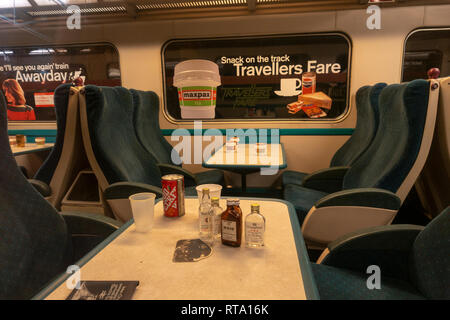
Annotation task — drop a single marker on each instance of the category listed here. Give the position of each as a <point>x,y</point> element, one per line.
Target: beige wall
<point>376,57</point>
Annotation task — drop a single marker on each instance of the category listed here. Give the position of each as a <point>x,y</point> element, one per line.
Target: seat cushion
<point>293,177</point>
<point>210,176</point>
<point>302,198</point>
<point>342,284</point>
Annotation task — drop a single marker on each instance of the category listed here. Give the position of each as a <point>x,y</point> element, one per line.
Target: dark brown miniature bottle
<point>232,224</point>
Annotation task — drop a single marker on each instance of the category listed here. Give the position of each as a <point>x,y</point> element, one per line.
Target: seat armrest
<point>365,197</point>
<point>189,178</point>
<point>122,190</point>
<point>326,180</point>
<point>347,211</point>
<point>88,230</point>
<point>388,247</point>
<point>41,187</point>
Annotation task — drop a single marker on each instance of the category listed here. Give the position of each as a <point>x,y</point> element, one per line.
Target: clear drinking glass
<point>143,207</point>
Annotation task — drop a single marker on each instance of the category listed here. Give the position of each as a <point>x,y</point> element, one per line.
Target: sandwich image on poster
<point>191,250</point>
<point>104,290</point>
<point>312,103</point>
<point>197,81</point>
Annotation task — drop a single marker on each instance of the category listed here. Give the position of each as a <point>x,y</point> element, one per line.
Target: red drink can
<point>173,195</point>
<point>308,82</point>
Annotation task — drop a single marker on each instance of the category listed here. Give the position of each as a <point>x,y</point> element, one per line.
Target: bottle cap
<point>205,190</point>
<point>254,206</point>
<point>233,202</point>
<point>215,199</point>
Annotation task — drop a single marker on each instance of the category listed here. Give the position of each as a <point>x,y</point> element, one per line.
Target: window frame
<point>340,118</point>
<point>412,32</point>
<point>50,124</point>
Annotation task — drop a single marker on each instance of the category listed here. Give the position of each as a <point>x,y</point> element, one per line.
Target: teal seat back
<point>35,244</point>
<point>388,160</point>
<point>146,124</point>
<point>366,126</point>
<point>430,267</point>
<point>61,100</point>
<point>112,136</point>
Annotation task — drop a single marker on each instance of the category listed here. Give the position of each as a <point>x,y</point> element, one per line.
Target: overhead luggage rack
<point>39,11</point>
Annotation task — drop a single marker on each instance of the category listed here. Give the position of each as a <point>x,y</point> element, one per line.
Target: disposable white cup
<point>215,190</point>
<point>39,140</point>
<point>143,208</point>
<point>230,146</point>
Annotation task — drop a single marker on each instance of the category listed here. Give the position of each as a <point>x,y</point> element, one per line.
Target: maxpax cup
<point>197,81</point>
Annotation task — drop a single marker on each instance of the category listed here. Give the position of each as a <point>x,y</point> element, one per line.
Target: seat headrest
<point>388,160</point>
<point>146,124</point>
<point>365,129</point>
<point>113,139</point>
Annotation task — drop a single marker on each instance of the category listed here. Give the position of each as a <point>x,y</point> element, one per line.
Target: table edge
<point>32,151</point>
<point>309,283</point>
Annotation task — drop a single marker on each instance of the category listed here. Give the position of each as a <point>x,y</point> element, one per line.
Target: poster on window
<point>29,75</point>
<point>275,77</point>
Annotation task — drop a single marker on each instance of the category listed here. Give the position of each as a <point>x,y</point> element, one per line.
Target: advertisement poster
<point>285,77</point>
<point>29,75</point>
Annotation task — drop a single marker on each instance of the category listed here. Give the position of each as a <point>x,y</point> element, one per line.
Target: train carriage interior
<point>304,141</point>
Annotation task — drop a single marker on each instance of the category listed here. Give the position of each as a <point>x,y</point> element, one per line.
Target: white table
<point>30,148</point>
<point>246,160</point>
<point>281,270</point>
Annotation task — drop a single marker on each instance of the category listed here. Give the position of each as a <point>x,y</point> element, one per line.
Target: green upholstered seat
<point>340,284</point>
<point>61,98</point>
<point>146,123</point>
<point>430,259</point>
<point>115,145</point>
<point>36,244</point>
<point>424,274</point>
<point>389,158</point>
<point>363,135</point>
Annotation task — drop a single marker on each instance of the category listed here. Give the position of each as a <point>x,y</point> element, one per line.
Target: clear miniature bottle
<point>217,217</point>
<point>205,218</point>
<point>255,226</point>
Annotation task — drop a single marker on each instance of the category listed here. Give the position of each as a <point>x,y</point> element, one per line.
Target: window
<point>29,75</point>
<point>426,49</point>
<point>271,77</point>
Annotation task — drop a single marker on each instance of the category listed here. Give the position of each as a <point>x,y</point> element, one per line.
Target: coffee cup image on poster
<point>197,81</point>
